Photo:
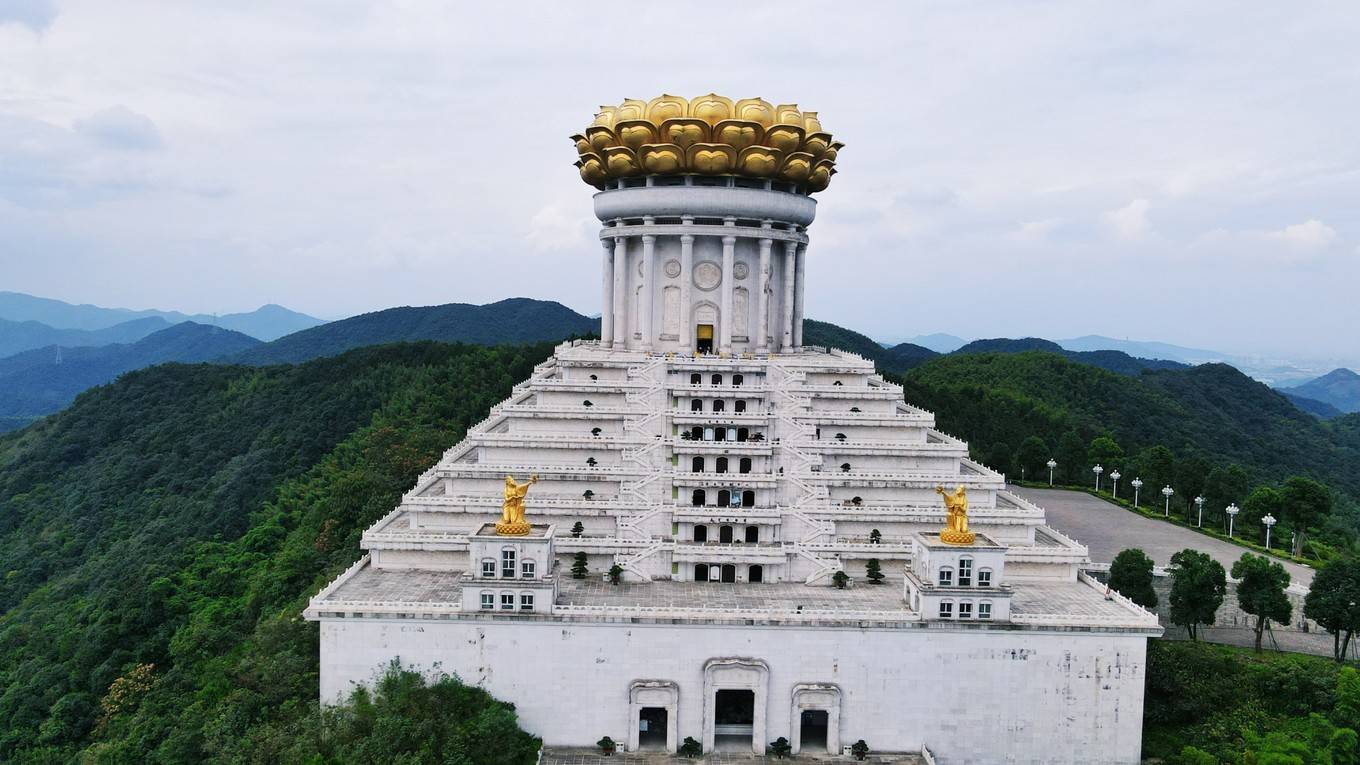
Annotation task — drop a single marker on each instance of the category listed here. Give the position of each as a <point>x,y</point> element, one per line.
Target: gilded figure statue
<point>512,521</point>
<point>955,531</point>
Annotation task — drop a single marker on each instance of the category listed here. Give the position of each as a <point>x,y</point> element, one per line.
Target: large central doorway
<point>812,730</point>
<point>652,723</point>
<point>703,338</point>
<point>734,714</point>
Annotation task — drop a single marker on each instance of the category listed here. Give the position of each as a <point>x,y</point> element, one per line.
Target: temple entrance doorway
<point>703,338</point>
<point>652,723</point>
<point>733,720</point>
<point>812,730</point>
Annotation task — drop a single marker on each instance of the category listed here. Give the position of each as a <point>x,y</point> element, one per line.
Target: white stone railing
<point>786,614</point>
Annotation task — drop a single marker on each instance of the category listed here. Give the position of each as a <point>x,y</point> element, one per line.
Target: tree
<point>999,457</point>
<point>615,574</point>
<point>1346,713</point>
<point>780,747</point>
<point>1198,584</point>
<point>1131,576</point>
<point>1157,467</point>
<point>875,536</point>
<point>577,528</point>
<point>1032,458</point>
<point>1333,601</point>
<point>1104,452</point>
<point>1306,502</point>
<point>1260,591</point>
<point>579,565</point>
<point>1225,486</point>
<point>873,571</point>
<point>1190,475</point>
<point>691,748</point>
<point>840,579</point>
<point>1263,501</point>
<point>1071,457</point>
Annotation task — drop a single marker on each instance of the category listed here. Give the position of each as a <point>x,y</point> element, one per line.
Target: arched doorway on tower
<point>705,327</point>
<point>703,338</point>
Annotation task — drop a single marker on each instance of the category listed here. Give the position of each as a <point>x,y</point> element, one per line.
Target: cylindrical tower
<point>705,205</point>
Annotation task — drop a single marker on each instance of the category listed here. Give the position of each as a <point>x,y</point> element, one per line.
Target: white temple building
<point>732,472</point>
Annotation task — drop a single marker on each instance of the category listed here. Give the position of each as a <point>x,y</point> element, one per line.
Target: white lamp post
<point>1137,484</point>
<point>1199,503</point>
<point>1232,511</point>
<point>1115,478</point>
<point>1269,522</point>
<point>1167,491</point>
<point>1097,470</point>
<point>1052,463</point>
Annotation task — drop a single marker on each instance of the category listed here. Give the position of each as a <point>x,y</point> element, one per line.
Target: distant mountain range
<point>268,322</point>
<point>1339,388</point>
<point>20,336</point>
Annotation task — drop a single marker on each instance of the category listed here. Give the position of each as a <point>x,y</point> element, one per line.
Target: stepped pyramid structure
<point>731,478</point>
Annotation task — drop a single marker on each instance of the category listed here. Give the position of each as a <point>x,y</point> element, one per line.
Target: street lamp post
<point>1269,522</point>
<point>1137,484</point>
<point>1052,463</point>
<point>1232,511</point>
<point>1114,477</point>
<point>1199,503</point>
<point>1167,491</point>
<point>1097,470</point>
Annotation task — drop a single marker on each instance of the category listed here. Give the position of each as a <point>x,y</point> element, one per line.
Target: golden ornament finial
<point>512,523</point>
<point>955,531</point>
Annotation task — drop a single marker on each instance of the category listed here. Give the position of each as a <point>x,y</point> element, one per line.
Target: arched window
<point>755,573</point>
<point>699,499</point>
<point>946,609</point>
<point>965,574</point>
<point>739,406</point>
<point>946,576</point>
<point>748,498</point>
<point>700,533</point>
<point>701,572</point>
<point>488,567</point>
<point>696,465</point>
<point>696,433</point>
<point>840,436</point>
<point>696,379</point>
<point>965,609</point>
<point>716,379</point>
<point>752,534</point>
<point>722,465</point>
<point>985,609</point>
<point>745,465</point>
<point>984,580</point>
<point>719,405</point>
<point>738,379</point>
<point>720,434</point>
<point>731,434</point>
<point>729,573</point>
<point>845,467</point>
<point>488,600</point>
<point>743,434</point>
<point>725,534</point>
<point>696,405</point>
<point>724,498</point>
<point>508,567</point>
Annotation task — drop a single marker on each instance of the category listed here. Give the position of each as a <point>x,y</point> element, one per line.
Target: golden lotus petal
<point>820,177</point>
<point>816,144</point>
<point>811,123</point>
<point>600,138</point>
<point>685,131</point>
<point>833,150</point>
<point>797,167</point>
<point>786,138</point>
<point>665,107</point>
<point>761,161</point>
<point>711,158</point>
<point>755,110</point>
<point>605,117</point>
<point>788,114</point>
<point>621,161</point>
<point>630,109</point>
<point>582,145</point>
<point>592,171</point>
<point>662,158</point>
<point>738,133</point>
<point>711,108</point>
<point>635,133</point>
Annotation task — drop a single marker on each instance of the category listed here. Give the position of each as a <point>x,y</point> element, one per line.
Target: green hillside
<point>1339,387</point>
<point>898,358</point>
<point>160,537</point>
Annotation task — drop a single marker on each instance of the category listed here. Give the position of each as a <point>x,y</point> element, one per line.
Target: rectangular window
<point>984,610</point>
<point>507,601</point>
<point>488,601</point>
<point>508,564</point>
<point>946,577</point>
<point>985,577</point>
<point>528,568</point>
<point>965,576</point>
<point>526,601</point>
<point>965,610</point>
<point>946,610</point>
<point>489,568</point>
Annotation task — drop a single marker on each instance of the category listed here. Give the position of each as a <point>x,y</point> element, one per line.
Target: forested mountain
<point>516,320</point>
<point>20,336</point>
<point>265,323</point>
<point>161,536</point>
<point>1314,407</point>
<point>898,358</point>
<point>1339,387</point>
<point>39,382</point>
<point>1114,361</point>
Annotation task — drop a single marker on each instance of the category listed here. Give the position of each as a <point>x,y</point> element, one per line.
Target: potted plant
<point>875,536</point>
<point>615,573</point>
<point>691,748</point>
<point>578,565</point>
<point>780,747</point>
<point>589,495</point>
<point>840,579</point>
<point>577,528</point>
<point>859,749</point>
<point>873,571</point>
<point>607,746</point>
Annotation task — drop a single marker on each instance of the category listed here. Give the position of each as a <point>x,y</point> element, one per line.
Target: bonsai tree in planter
<point>859,749</point>
<point>873,571</point>
<point>840,579</point>
<point>579,565</point>
<point>615,573</point>
<point>691,748</point>
<point>607,746</point>
<point>780,747</point>
<point>875,536</point>
<point>577,528</point>
<point>591,461</point>
<point>588,494</point>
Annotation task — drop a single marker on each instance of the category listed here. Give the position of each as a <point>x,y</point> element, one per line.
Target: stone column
<point>686,279</point>
<point>786,326</point>
<point>648,255</point>
<point>621,291</point>
<point>763,298</point>
<point>799,284</point>
<point>729,261</point>
<point>607,314</point>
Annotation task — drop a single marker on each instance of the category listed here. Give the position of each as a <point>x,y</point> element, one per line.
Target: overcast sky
<point>1179,172</point>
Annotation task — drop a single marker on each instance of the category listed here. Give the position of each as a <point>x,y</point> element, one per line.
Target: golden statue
<point>512,521</point>
<point>955,531</point>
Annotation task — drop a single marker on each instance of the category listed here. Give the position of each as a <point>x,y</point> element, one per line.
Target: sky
<point>1187,173</point>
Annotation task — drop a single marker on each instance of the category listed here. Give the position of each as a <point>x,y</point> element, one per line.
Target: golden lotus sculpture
<point>708,135</point>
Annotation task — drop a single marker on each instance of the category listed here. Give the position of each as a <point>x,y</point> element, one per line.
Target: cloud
<point>553,228</point>
<point>37,15</point>
<point>1129,221</point>
<point>1311,234</point>
<point>118,127</point>
<point>1036,230</point>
